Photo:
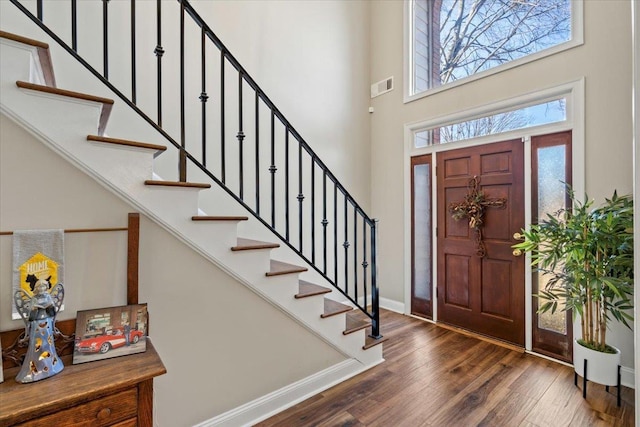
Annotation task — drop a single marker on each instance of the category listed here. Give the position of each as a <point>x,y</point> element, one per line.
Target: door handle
<point>517,252</point>
<point>518,236</point>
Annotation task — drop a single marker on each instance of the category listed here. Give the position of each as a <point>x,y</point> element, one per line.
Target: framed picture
<point>110,332</point>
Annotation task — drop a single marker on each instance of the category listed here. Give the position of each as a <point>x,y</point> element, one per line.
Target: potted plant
<point>587,253</point>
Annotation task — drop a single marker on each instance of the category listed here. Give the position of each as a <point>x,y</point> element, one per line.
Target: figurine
<point>39,315</point>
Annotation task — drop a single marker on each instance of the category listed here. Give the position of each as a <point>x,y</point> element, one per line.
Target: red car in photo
<point>104,343</point>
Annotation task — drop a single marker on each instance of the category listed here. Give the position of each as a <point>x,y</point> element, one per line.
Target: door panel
<point>458,272</point>
<point>482,294</point>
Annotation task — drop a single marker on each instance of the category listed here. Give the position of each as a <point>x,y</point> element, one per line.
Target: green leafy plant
<point>587,254</point>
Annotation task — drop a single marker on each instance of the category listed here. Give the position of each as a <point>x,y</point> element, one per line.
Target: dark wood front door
<point>484,294</point>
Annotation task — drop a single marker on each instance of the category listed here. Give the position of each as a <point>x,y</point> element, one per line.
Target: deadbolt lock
<point>517,252</point>
<point>518,236</point>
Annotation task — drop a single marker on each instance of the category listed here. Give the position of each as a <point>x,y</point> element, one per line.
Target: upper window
<point>552,111</point>
<point>454,39</point>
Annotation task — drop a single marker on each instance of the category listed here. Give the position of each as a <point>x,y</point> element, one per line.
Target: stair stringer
<point>63,124</point>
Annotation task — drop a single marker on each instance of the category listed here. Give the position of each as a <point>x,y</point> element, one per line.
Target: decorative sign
<point>35,268</point>
<point>38,255</point>
<point>473,207</point>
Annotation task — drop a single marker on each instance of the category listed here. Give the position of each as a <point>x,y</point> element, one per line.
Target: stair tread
<point>249,244</point>
<point>218,218</point>
<point>25,40</point>
<point>107,103</point>
<point>354,323</point>
<point>279,267</point>
<point>308,289</point>
<point>118,141</point>
<point>64,92</point>
<point>332,308</point>
<point>370,341</point>
<point>177,184</point>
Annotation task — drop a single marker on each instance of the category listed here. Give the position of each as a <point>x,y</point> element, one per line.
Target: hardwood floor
<point>437,377</point>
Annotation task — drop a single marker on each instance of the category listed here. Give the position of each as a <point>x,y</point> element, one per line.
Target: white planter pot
<point>602,368</point>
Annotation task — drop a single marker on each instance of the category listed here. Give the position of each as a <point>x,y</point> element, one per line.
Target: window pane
<point>468,37</point>
<point>422,231</point>
<point>551,198</point>
<point>534,115</point>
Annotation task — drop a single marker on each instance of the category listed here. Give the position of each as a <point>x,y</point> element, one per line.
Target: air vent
<point>383,86</point>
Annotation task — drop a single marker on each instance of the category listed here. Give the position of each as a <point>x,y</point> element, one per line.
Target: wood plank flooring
<point>437,377</point>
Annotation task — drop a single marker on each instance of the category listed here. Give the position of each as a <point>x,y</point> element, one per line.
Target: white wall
<point>222,344</point>
<point>312,60</point>
<point>604,61</point>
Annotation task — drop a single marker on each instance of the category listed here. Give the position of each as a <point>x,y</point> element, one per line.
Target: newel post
<point>375,302</point>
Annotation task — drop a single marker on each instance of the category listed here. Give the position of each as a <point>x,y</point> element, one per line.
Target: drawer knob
<point>104,413</point>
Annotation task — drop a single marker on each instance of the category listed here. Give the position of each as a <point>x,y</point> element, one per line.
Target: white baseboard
<point>627,377</point>
<point>279,400</point>
<point>392,305</point>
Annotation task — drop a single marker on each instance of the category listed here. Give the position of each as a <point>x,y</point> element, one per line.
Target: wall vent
<point>383,86</point>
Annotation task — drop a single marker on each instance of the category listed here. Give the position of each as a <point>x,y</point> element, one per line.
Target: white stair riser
<point>217,236</point>
<point>174,205</point>
<point>20,62</point>
<point>278,288</point>
<point>251,265</point>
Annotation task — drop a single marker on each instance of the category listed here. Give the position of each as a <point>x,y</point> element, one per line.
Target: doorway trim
<point>573,91</point>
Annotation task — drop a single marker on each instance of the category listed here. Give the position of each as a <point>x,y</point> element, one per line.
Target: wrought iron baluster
<point>133,51</point>
<point>346,245</point>
<point>240,137</point>
<point>365,264</point>
<point>203,95</point>
<point>39,11</point>
<point>355,254</point>
<point>257,132</point>
<point>335,233</point>
<point>273,169</point>
<point>159,51</point>
<point>286,183</point>
<point>222,142</point>
<point>313,209</point>
<point>105,38</point>
<point>300,196</point>
<point>375,311</point>
<point>325,222</point>
<point>182,166</point>
<point>74,25</point>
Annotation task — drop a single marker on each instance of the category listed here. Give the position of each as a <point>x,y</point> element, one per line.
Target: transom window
<point>552,111</point>
<point>453,39</point>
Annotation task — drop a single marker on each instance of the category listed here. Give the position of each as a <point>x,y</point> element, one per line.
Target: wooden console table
<point>112,392</point>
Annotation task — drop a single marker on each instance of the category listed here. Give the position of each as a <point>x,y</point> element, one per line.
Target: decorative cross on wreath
<point>473,207</point>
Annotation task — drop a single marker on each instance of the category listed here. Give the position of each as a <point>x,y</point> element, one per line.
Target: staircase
<point>74,124</point>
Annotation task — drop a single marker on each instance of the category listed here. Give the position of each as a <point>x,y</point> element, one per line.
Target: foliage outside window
<point>534,115</point>
<point>454,39</point>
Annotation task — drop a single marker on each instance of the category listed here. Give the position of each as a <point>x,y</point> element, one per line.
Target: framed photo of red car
<point>110,332</point>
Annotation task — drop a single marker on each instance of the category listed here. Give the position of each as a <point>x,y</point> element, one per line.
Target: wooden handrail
<point>77,230</point>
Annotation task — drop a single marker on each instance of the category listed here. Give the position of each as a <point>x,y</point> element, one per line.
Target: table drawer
<point>101,412</point>
<point>131,422</point>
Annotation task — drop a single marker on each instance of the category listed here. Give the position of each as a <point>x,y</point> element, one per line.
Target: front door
<point>480,280</point>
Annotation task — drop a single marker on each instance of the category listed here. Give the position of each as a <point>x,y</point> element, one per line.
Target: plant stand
<point>584,382</point>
